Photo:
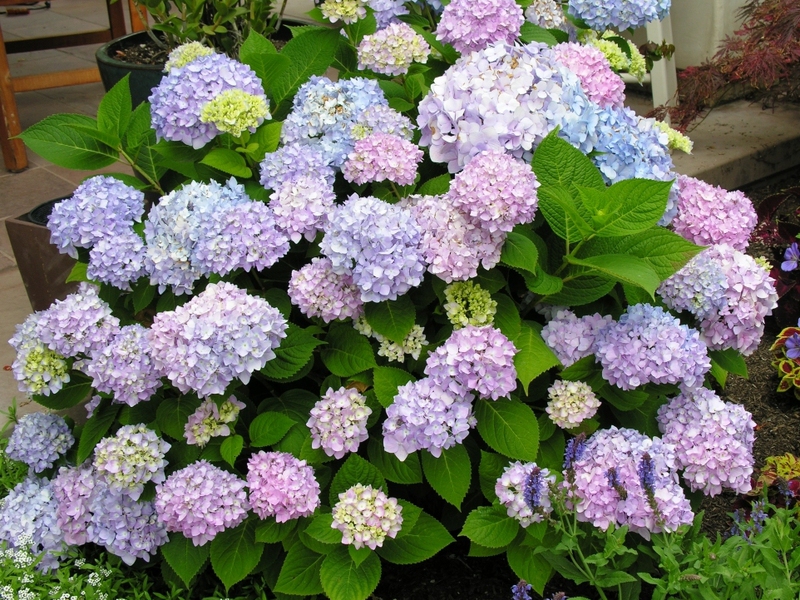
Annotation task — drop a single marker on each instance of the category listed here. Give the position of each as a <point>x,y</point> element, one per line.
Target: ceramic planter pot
<point>143,77</point>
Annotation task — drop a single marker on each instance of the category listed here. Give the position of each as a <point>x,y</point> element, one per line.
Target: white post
<point>663,78</point>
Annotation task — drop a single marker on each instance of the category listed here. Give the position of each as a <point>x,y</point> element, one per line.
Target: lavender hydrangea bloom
<point>281,486</point>
<point>392,49</point>
<point>571,402</point>
<point>118,260</point>
<point>480,359</point>
<point>713,441</point>
<point>200,501</point>
<point>708,214</point>
<point>320,292</point>
<point>572,338</point>
<point>379,244</point>
<point>73,488</point>
<point>220,335</point>
<point>601,84</point>
<point>366,516</point>
<point>649,345</point>
<point>511,487</point>
<point>177,102</point>
<point>302,205</point>
<point>39,440</point>
<point>210,420</point>
<point>384,119</point>
<point>471,25</point>
<point>101,207</point>
<point>387,11</point>
<point>699,287</point>
<point>382,156</point>
<point>125,368</point>
<point>427,415</point>
<point>338,421</point>
<point>292,162</point>
<point>131,458</point>
<point>37,368</point>
<point>618,14</point>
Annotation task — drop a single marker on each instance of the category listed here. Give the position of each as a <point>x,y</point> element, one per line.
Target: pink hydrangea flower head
<point>571,402</point>
<point>382,156</point>
<point>302,205</point>
<point>524,489</point>
<point>366,516</point>
<point>318,291</point>
<point>471,25</point>
<point>571,337</point>
<point>281,486</point>
<point>338,421</point>
<point>391,50</point>
<point>600,83</point>
<point>73,488</point>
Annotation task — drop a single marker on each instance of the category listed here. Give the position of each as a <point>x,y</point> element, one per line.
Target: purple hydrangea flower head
<point>699,287</point>
<point>292,161</point>
<point>708,214</point>
<point>366,516</point>
<point>39,440</point>
<point>28,520</point>
<point>118,260</point>
<point>601,84</point>
<point>318,291</point>
<point>73,489</point>
<point>649,345</point>
<point>37,368</point>
<point>131,458</point>
<point>519,478</point>
<point>243,236</point>
<point>384,119</point>
<point>618,14</point>
<point>496,191</point>
<point>281,486</point>
<point>571,402</point>
<point>346,11</point>
<point>480,359</point>
<point>210,420</point>
<point>595,496</point>
<point>427,415</point>
<point>200,501</point>
<point>378,244</point>
<point>338,421</point>
<point>125,368</point>
<point>791,258</point>
<point>392,49</point>
<point>547,14</point>
<point>220,335</point>
<point>471,25</point>
<point>571,337</point>
<point>382,156</point>
<point>177,102</point>
<point>302,205</point>
<point>101,207</point>
<point>387,11</point>
<point>713,441</point>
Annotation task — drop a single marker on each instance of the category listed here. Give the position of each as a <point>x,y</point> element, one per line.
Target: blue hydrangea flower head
<point>39,440</point>
<point>618,14</point>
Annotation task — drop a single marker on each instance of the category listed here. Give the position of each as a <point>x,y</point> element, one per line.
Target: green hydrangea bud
<point>235,111</point>
<point>469,304</point>
<point>675,139</point>
<point>186,53</point>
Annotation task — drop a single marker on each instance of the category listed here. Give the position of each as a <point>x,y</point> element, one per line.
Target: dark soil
<point>146,53</point>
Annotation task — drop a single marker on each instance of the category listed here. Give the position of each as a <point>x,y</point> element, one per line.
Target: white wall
<point>698,27</point>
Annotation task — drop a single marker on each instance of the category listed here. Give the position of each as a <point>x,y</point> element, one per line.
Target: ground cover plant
<point>457,292</point>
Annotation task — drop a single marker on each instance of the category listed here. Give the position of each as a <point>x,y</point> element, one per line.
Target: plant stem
<point>147,177</point>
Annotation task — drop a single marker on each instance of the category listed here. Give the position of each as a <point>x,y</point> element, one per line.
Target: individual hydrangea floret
<point>39,440</point>
<point>366,516</point>
<point>619,14</point>
<point>293,161</point>
<point>73,488</point>
<point>302,206</point>
<point>713,441</point>
<point>281,486</point>
<point>521,482</point>
<point>125,368</point>
<point>469,304</point>
<point>412,345</point>
<point>200,501</point>
<point>480,359</point>
<point>338,421</point>
<point>220,335</point>
<point>119,260</point>
<point>708,214</point>
<point>320,292</point>
<point>184,54</point>
<point>131,458</point>
<point>599,81</point>
<point>236,111</point>
<point>37,368</point>
<point>571,402</point>
<point>546,13</point>
<point>471,25</point>
<point>391,50</point>
<point>649,345</point>
<point>382,156</point>
<point>571,337</point>
<point>101,207</point>
<point>676,140</point>
<point>211,420</point>
<point>346,11</point>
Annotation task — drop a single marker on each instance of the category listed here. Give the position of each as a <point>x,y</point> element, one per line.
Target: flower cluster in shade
<point>37,368</point>
<point>38,440</point>
<point>649,345</point>
<point>571,403</point>
<point>468,304</point>
<point>546,13</point>
<point>124,367</point>
<point>338,422</point>
<point>708,214</point>
<point>713,441</point>
<point>377,244</point>
<point>524,489</point>
<point>130,458</point>
<point>601,84</point>
<point>381,157</point>
<point>28,520</point>
<point>412,344</point>
<point>211,420</point>
<point>220,335</point>
<point>605,486</point>
<point>177,104</point>
<point>392,49</point>
<point>618,14</point>
<point>730,295</point>
<point>318,291</point>
<point>200,501</point>
<point>572,338</point>
<point>471,25</point>
<point>366,516</point>
<point>281,486</point>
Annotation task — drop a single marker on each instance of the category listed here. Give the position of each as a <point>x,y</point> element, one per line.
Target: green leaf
<point>227,161</point>
<point>507,318</point>
<point>731,360</point>
<point>581,290</point>
<point>268,136</point>
<point>622,399</point>
<point>531,567</point>
<point>563,565</point>
<point>561,213</point>
<point>400,105</point>
<point>355,470</point>
<point>489,471</point>
<point>509,427</point>
<point>492,281</point>
<point>260,55</point>
<point>392,468</point>
<point>643,417</point>
<point>614,579</point>
<point>342,579</point>
<point>268,428</point>
<point>666,252</point>
<point>424,540</point>
<point>490,526</point>
<point>299,575</point>
<point>392,319</point>
<point>78,272</point>
<point>623,268</point>
<point>56,138</point>
<point>114,111</point>
<point>296,349</point>
<point>231,448</point>
<point>557,162</point>
<point>435,187</point>
<point>143,294</point>
<point>272,532</point>
<point>533,356</point>
<point>358,29</point>
<point>533,33</point>
<point>173,413</point>
<point>348,352</point>
<point>551,451</point>
<point>386,380</point>
<point>94,430</point>
<point>411,514</point>
<point>184,557</point>
<point>450,474</point>
<point>76,390</point>
<point>138,130</point>
<point>235,553</point>
<point>543,283</point>
<point>627,207</point>
<point>519,252</point>
<point>320,528</point>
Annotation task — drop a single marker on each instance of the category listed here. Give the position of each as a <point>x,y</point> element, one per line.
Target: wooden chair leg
<point>14,154</point>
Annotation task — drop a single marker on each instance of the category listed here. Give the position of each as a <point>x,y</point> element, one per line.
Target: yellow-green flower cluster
<point>44,370</point>
<point>635,65</point>
<point>412,344</point>
<point>675,139</point>
<point>469,304</point>
<point>186,53</point>
<point>235,111</point>
<point>764,263</point>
